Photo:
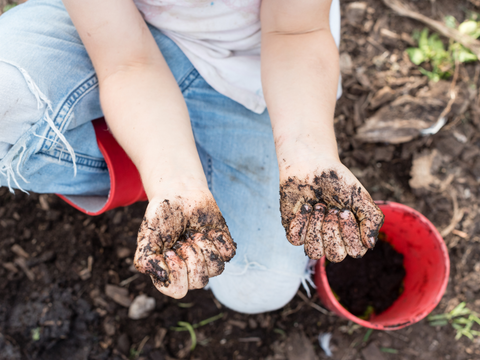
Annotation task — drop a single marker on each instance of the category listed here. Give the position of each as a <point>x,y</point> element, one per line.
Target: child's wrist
<point>305,149</point>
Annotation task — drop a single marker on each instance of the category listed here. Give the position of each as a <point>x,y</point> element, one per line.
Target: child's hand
<point>182,242</point>
<point>327,210</point>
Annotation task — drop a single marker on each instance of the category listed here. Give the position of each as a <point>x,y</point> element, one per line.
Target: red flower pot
<point>426,263</point>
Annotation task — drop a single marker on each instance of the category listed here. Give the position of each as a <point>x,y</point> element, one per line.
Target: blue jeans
<point>48,84</point>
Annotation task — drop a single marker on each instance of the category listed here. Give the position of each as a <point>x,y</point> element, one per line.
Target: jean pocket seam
<point>62,117</point>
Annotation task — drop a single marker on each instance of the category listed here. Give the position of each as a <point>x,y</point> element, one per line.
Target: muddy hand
<point>182,243</point>
<point>330,213</point>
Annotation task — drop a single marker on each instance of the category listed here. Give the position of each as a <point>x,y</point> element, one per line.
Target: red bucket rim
<point>339,309</point>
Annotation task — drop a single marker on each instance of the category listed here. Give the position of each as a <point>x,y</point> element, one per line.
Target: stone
<point>141,307</point>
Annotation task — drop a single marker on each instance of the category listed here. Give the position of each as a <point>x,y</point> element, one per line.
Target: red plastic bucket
<point>426,263</point>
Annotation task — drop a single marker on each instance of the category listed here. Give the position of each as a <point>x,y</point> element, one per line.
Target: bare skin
<point>182,243</point>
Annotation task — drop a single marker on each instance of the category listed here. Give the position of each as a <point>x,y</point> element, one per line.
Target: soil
<point>373,281</point>
<point>53,302</point>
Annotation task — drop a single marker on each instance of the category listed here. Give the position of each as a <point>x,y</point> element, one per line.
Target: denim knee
<point>19,107</point>
<point>256,289</point>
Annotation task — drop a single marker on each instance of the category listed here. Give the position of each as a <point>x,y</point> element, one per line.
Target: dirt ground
<point>56,261</point>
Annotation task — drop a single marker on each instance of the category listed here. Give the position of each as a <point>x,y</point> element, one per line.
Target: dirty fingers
<point>181,246</point>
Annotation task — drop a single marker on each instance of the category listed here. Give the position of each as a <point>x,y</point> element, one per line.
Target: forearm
<point>148,116</point>
<point>300,77</point>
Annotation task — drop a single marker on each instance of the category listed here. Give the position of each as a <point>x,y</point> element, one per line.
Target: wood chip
<point>118,294</point>
<point>159,337</point>
<point>382,96</point>
<point>43,200</point>
<point>355,13</point>
<point>22,264</point>
<point>249,339</point>
<point>241,324</point>
<point>10,267</point>
<point>17,249</point>
<point>372,352</point>
<point>299,347</point>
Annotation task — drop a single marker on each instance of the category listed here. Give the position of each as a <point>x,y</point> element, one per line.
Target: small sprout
<point>369,311</point>
<point>461,318</point>
<point>36,334</point>
<point>186,326</point>
<point>389,350</point>
<point>185,305</point>
<point>367,335</point>
<point>193,335</point>
<point>279,331</point>
<point>431,49</point>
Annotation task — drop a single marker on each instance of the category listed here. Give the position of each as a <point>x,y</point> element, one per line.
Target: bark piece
<point>299,347</point>
<point>356,13</point>
<point>118,294</point>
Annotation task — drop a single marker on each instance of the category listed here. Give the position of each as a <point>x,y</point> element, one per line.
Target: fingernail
<point>319,207</point>
<point>306,208</point>
<point>372,241</point>
<point>344,214</point>
<point>334,211</point>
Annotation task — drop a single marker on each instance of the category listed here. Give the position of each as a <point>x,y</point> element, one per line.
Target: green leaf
<point>423,40</point>
<point>461,321</point>
<point>438,317</point>
<point>474,318</point>
<point>36,334</point>
<point>468,27</point>
<point>436,45</point>
<point>459,309</point>
<point>450,21</point>
<point>431,75</point>
<point>389,350</point>
<point>367,335</point>
<point>192,333</point>
<point>416,55</point>
<point>439,323</point>
<point>464,55</point>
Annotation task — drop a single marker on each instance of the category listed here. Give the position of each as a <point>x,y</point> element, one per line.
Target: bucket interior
<point>426,265</point>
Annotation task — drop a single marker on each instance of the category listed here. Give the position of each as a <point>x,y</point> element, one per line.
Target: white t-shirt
<point>222,40</point>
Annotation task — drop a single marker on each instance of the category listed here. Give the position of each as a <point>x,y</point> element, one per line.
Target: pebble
<point>141,307</point>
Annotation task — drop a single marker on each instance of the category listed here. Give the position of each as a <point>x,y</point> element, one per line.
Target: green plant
<point>36,334</point>
<point>186,326</point>
<point>461,318</point>
<point>442,60</point>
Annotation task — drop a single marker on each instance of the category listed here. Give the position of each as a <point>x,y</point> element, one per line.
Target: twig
<point>292,311</point>
<point>452,95</point>
<point>142,344</point>
<point>312,304</point>
<point>118,353</point>
<point>403,10</point>
<point>129,280</point>
<point>249,339</point>
<point>456,217</point>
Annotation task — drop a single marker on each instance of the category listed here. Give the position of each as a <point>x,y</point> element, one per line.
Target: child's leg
<point>238,153</point>
<point>48,87</point>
